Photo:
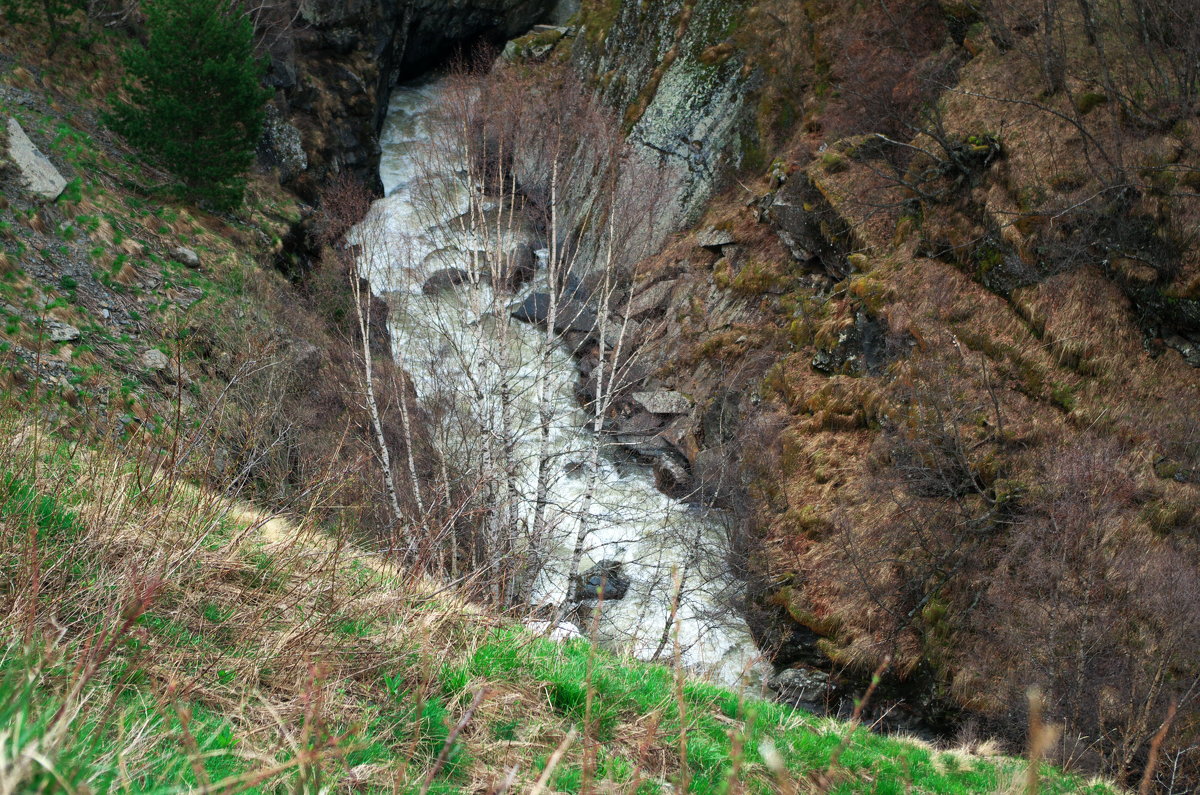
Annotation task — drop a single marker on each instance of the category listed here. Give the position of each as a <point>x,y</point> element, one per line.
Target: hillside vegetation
<point>953,320</point>
<point>163,638</point>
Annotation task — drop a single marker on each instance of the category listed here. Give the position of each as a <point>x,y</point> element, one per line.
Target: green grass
<point>624,691</point>
<point>88,761</point>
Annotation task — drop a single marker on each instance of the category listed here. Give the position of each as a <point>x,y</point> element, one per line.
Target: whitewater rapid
<point>460,349</point>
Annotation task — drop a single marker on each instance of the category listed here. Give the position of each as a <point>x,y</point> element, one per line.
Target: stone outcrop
<point>37,174</point>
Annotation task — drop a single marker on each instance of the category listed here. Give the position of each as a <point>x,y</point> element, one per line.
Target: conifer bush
<point>196,100</point>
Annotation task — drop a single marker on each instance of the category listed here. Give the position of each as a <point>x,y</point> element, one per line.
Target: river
<point>464,352</point>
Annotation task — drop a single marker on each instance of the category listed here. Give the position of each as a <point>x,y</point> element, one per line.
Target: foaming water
<point>480,374</point>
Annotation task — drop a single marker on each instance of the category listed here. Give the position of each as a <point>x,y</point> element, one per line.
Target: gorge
<point>832,365</point>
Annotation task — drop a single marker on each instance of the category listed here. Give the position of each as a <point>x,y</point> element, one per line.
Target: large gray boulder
<point>604,580</point>
<point>570,315</point>
<point>37,174</point>
<point>800,686</point>
<point>444,279</point>
<point>155,360</point>
<point>63,332</point>
<point>663,401</point>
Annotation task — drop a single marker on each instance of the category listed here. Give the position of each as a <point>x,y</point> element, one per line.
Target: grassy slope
<point>176,640</point>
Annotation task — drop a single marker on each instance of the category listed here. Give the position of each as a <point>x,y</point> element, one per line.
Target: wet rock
<point>576,469</point>
<point>570,315</point>
<point>186,256</point>
<point>516,268</point>
<point>445,257</point>
<point>444,279</point>
<point>534,309</point>
<point>604,580</point>
<point>799,686</point>
<point>671,473</point>
<point>663,401</point>
<point>37,174</point>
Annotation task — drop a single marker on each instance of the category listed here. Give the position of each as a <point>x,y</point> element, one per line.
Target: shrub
<point>196,101</point>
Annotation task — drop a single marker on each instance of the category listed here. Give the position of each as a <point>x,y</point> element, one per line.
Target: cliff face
<point>333,64</point>
<point>680,86</point>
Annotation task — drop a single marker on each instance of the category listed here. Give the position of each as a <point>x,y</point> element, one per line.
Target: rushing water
<point>463,351</point>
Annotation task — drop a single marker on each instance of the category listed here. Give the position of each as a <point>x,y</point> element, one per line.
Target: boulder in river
<point>671,473</point>
<point>444,279</point>
<point>515,267</point>
<point>570,315</point>
<point>604,580</point>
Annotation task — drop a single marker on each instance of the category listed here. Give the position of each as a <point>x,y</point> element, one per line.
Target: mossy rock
<point>533,46</point>
<point>1088,101</point>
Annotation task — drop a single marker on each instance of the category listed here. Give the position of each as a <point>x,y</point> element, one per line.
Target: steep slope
<point>129,314</point>
<point>937,331</point>
<point>162,638</point>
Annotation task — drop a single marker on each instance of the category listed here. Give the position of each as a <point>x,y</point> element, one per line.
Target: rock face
<point>37,174</point>
<point>679,84</point>
<point>812,231</point>
<point>282,146</point>
<point>333,70</point>
<point>604,580</point>
<point>860,349</point>
<point>435,27</point>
